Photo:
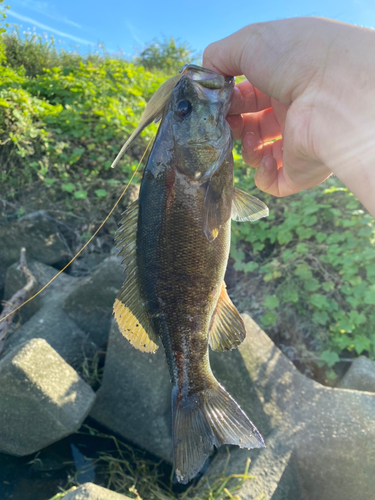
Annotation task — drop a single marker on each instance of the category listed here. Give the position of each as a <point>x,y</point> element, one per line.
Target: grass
<point>130,472</point>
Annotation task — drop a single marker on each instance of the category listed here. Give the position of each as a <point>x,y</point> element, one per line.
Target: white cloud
<point>134,32</point>
<point>47,28</point>
<point>47,10</point>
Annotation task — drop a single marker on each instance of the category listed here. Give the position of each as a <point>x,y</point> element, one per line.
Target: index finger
<point>248,99</point>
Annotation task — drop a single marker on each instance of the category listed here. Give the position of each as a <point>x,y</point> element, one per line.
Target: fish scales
<point>175,242</point>
<point>181,291</point>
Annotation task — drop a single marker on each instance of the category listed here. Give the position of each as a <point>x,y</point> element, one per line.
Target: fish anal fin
<point>246,207</point>
<point>132,329</point>
<point>129,308</point>
<point>227,330</point>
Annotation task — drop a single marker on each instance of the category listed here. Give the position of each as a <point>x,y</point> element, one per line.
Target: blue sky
<point>130,24</point>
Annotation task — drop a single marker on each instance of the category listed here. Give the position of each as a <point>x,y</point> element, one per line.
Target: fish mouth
<point>207,78</point>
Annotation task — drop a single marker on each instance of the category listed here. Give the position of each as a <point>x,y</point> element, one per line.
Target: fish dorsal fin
<point>246,207</point>
<point>227,329</point>
<point>129,310</point>
<point>152,112</point>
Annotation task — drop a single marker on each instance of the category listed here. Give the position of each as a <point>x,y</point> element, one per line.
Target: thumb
<point>279,57</point>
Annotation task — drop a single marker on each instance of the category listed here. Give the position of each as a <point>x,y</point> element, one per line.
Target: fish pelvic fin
<point>204,420</point>
<point>129,310</point>
<point>227,330</point>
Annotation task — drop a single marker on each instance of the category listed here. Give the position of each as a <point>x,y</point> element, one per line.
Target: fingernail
<point>268,163</point>
<point>251,143</point>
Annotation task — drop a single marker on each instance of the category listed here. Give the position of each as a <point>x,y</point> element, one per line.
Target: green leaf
<point>366,232</point>
<point>271,302</point>
<point>320,237</point>
<point>329,357</point>
<point>303,271</point>
<point>290,296</point>
<point>49,181</point>
<point>69,187</point>
<point>258,247</point>
<point>304,233</point>
<point>370,297</point>
<point>101,193</point>
<point>268,319</point>
<point>357,318</point>
<point>309,220</point>
<point>356,280</point>
<point>311,285</point>
<point>288,255</point>
<point>80,194</point>
<point>320,318</point>
<point>361,343</point>
<point>328,286</point>
<point>284,237</point>
<point>370,271</point>
<point>250,267</point>
<point>318,301</point>
<point>343,341</point>
<point>302,248</point>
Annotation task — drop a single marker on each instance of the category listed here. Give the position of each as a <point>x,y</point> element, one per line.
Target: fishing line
<point>89,241</point>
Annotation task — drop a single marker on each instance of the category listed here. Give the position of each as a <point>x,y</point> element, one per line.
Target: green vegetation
<point>306,273</point>
<point>167,56</point>
<point>313,262</point>
<point>63,123</point>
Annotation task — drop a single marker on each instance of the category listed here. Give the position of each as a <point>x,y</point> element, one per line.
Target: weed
<point>314,261</point>
<point>131,473</point>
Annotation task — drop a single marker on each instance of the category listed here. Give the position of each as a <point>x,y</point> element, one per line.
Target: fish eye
<point>183,108</point>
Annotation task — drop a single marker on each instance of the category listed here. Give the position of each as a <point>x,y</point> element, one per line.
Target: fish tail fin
<point>204,420</point>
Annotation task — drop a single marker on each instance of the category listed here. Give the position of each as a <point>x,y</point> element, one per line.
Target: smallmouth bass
<point>175,242</point>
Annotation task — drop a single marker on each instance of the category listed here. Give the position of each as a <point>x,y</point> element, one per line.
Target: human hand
<point>312,83</point>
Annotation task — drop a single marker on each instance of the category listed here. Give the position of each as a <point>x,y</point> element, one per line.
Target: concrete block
<point>42,399</point>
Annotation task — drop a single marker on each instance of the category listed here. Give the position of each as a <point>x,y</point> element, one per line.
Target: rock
<point>360,376</point>
<point>83,266</point>
<point>134,399</point>
<point>41,238</point>
<point>15,280</point>
<point>311,429</point>
<point>42,399</point>
<point>50,322</point>
<point>90,304</point>
<point>308,428</point>
<point>90,491</point>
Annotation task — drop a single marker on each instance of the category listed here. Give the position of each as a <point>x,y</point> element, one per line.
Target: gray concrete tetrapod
<point>320,442</point>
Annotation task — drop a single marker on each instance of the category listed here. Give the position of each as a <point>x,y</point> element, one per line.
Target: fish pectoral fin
<point>246,207</point>
<point>129,310</point>
<point>227,330</point>
<point>215,212</point>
